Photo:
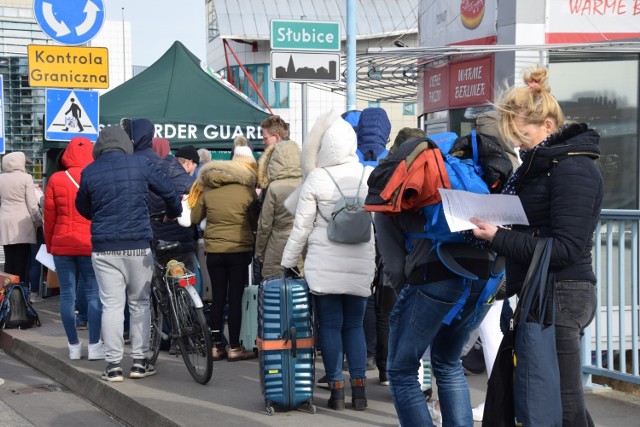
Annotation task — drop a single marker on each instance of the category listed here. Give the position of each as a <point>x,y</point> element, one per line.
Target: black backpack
<point>15,310</point>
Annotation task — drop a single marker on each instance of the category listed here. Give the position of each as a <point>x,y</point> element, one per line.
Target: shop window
<point>373,104</point>
<point>606,98</point>
<point>275,93</point>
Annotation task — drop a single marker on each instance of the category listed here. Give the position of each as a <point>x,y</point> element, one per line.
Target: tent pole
<point>251,82</point>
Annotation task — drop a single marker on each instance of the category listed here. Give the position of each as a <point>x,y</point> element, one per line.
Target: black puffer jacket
<point>560,188</point>
<point>172,231</point>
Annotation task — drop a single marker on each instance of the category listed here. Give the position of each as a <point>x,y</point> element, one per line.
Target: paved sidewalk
<point>233,396</point>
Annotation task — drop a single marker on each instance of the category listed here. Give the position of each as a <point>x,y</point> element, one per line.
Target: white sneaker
<point>434,411</point>
<point>75,350</point>
<point>96,351</point>
<point>478,411</point>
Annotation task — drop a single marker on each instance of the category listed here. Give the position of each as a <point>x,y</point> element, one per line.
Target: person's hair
<point>240,141</point>
<point>533,103</point>
<point>276,126</point>
<point>204,154</point>
<point>182,160</point>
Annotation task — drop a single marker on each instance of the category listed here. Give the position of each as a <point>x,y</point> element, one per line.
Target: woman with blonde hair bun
<point>561,188</point>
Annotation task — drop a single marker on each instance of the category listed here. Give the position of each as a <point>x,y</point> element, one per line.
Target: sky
<point>156,24</point>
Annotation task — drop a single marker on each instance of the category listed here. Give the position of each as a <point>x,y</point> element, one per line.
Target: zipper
<point>533,155</point>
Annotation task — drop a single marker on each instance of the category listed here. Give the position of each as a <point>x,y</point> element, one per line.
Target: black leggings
<point>229,274</point>
<point>17,260</point>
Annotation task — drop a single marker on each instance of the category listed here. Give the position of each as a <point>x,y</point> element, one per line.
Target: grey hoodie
<point>112,138</point>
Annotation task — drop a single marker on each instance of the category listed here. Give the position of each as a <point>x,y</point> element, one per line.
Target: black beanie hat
<point>188,152</point>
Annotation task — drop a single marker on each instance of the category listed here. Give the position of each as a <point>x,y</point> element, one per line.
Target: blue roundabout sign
<point>70,22</point>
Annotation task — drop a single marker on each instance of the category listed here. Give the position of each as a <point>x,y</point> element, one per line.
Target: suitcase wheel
<point>270,410</point>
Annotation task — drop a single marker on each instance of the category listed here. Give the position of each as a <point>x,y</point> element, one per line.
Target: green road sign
<point>305,35</point>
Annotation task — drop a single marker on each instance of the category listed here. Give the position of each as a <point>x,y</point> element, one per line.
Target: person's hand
<point>167,219</point>
<point>485,230</point>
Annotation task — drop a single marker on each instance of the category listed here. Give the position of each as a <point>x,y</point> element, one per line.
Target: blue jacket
<point>114,195</point>
<point>172,231</point>
<point>142,131</point>
<point>373,132</point>
<point>561,191</point>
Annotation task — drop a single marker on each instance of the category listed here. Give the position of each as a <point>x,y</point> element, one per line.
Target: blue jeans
<point>416,323</point>
<point>340,329</point>
<point>72,269</point>
<point>575,305</point>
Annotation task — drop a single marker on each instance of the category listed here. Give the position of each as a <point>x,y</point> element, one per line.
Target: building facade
<point>246,32</point>
<point>596,86</point>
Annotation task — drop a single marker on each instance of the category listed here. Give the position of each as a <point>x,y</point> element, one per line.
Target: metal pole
<point>304,111</point>
<point>124,53</point>
<point>351,55</point>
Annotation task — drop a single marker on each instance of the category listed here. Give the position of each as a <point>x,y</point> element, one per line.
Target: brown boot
<point>358,397</point>
<point>240,353</point>
<point>219,352</point>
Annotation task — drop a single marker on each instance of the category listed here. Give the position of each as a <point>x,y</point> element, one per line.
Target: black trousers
<point>17,260</point>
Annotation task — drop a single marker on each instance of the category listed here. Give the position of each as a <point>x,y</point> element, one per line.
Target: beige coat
<point>279,174</point>
<point>226,202</point>
<point>19,211</point>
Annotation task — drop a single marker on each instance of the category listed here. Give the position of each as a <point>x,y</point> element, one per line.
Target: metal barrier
<point>615,256</point>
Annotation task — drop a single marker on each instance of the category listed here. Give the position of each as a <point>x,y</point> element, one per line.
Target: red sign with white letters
<point>471,82</point>
<point>436,87</point>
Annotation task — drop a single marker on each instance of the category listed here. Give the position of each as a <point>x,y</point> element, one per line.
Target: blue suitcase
<point>285,345</point>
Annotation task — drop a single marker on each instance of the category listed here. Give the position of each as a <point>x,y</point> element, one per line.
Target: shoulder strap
<point>338,187</point>
<point>71,178</point>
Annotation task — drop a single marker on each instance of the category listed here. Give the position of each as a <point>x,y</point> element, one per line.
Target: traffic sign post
<point>70,113</point>
<point>65,66</point>
<point>305,35</point>
<point>70,22</point>
<point>305,66</point>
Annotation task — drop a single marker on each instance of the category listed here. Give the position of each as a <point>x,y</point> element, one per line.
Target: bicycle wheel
<point>195,340</point>
<point>155,336</point>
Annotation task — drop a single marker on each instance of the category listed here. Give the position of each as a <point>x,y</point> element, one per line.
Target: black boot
<point>336,401</point>
<point>358,397</point>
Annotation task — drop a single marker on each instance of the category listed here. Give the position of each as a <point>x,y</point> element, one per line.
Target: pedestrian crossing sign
<point>70,113</point>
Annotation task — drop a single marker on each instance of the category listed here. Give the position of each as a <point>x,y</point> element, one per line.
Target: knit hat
<point>189,152</point>
<point>244,154</point>
<point>240,141</point>
<point>405,134</point>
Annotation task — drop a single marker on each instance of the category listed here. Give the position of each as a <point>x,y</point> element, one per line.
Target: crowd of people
<point>273,211</point>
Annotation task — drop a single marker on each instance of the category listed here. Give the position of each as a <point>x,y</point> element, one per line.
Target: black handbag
<point>499,410</point>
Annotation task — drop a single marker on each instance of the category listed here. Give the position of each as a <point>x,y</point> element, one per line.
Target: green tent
<point>187,101</point>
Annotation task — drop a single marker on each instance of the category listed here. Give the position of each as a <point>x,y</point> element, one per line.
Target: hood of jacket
<point>112,138</point>
<point>15,161</point>
<point>78,153</point>
<point>218,173</point>
<point>279,161</point>
<point>330,142</point>
<point>142,131</point>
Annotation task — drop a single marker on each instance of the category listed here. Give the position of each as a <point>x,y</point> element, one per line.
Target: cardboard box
<point>52,280</point>
<point>6,278</point>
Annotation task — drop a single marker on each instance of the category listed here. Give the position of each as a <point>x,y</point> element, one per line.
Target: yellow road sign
<point>68,66</point>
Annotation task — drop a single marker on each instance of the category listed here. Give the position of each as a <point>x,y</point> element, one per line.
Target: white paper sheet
<point>45,258</point>
<point>497,209</point>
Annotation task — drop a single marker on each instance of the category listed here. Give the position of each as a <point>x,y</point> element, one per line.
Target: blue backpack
<point>15,309</point>
<point>465,173</point>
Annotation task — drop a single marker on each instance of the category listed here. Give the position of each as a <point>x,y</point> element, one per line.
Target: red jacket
<point>66,232</point>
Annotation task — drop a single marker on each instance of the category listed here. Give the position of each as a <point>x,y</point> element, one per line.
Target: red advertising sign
<point>436,88</point>
<point>471,82</point>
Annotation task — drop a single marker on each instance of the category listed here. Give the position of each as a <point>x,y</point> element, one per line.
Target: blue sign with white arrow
<point>69,22</point>
<point>71,112</point>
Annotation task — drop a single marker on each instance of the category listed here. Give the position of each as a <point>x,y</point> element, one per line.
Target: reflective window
<point>603,93</point>
<point>275,93</point>
<point>212,21</point>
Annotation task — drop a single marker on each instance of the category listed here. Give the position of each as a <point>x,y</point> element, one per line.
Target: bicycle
<point>176,299</point>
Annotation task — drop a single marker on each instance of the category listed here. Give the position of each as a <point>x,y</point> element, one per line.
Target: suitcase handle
<point>294,341</point>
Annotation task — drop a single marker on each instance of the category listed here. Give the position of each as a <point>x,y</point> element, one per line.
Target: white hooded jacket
<point>330,268</point>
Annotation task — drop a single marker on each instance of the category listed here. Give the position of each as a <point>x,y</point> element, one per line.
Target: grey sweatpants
<point>124,275</point>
